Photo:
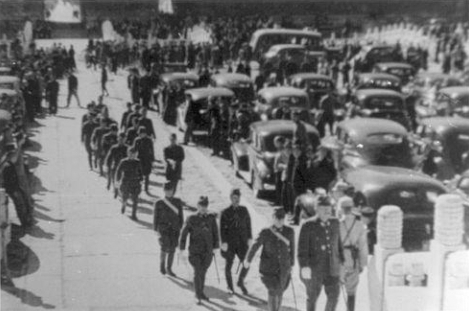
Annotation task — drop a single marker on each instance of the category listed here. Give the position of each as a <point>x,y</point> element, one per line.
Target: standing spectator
<point>277,258</point>
<point>191,118</point>
<point>323,171</point>
<point>145,90</point>
<point>173,156</point>
<point>104,80</point>
<point>346,72</point>
<point>87,131</point>
<point>203,230</point>
<point>52,95</point>
<point>72,89</point>
<point>294,176</point>
<point>144,146</point>
<point>167,222</point>
<point>133,82</point>
<point>320,255</point>
<point>328,103</point>
<point>236,236</point>
<point>354,241</point>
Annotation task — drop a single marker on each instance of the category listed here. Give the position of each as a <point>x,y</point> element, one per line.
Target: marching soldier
<point>96,140</point>
<point>87,131</point>
<point>113,158</point>
<point>320,255</point>
<point>147,123</point>
<point>132,132</point>
<point>167,222</point>
<point>52,95</point>
<point>173,156</point>
<point>144,146</point>
<point>203,231</point>
<point>277,259</point>
<point>125,117</point>
<point>236,237</point>
<point>354,241</point>
<point>133,115</point>
<point>108,140</point>
<point>128,177</point>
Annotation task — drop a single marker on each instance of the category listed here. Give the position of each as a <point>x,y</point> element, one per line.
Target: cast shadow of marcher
<point>21,260</point>
<point>42,216</point>
<point>26,296</point>
<point>38,232</point>
<point>34,161</point>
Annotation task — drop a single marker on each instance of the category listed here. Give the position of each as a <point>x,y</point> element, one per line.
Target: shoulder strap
<point>171,206</point>
<point>349,231</point>
<point>280,237</point>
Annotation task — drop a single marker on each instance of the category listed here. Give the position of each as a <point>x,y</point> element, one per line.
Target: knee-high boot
<point>170,263</point>
<point>163,262</point>
<point>350,302</point>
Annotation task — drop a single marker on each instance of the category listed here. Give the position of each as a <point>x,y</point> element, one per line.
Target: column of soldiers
<point>127,156</point>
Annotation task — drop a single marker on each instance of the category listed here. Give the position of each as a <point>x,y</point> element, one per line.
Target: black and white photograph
<point>234,155</point>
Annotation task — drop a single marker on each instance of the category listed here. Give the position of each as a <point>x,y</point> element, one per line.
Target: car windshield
<point>379,84</point>
<point>413,198</point>
<point>401,72</point>
<point>384,102</point>
<point>385,138</point>
<point>268,140</point>
<point>293,101</point>
<point>319,84</point>
<point>388,149</point>
<point>382,54</point>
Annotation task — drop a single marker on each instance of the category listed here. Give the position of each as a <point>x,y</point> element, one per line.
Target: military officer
<point>114,157</point>
<point>203,230</point>
<point>147,123</point>
<point>277,258</point>
<point>320,255</point>
<point>96,140</point>
<point>354,241</point>
<point>236,236</point>
<point>125,116</point>
<point>109,139</point>
<point>144,146</point>
<point>167,222</point>
<point>132,132</point>
<point>86,133</point>
<point>129,176</point>
<point>173,156</point>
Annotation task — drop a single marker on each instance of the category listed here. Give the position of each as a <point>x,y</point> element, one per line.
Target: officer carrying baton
<point>216,267</point>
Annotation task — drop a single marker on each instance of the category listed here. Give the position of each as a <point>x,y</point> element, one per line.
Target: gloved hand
<point>224,247</point>
<point>306,273</point>
<point>246,264</point>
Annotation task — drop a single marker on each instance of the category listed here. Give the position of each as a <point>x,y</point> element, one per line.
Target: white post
<point>449,229</point>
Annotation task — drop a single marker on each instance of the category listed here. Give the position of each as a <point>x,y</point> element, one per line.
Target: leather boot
<point>163,262</point>
<point>170,264</point>
<point>350,302</point>
<point>240,283</point>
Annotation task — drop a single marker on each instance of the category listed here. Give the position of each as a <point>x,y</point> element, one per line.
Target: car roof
<point>227,78</point>
<point>287,46</point>
<point>310,76</point>
<point>171,76</point>
<point>455,91</point>
<point>376,92</point>
<point>379,76</point>
<point>395,65</point>
<point>7,79</point>
<point>279,91</point>
<point>205,92</point>
<point>370,178</point>
<point>360,128</point>
<point>279,126</point>
<point>446,124</point>
<point>8,92</point>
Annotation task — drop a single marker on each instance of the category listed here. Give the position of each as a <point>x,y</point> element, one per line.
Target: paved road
<point>84,255</point>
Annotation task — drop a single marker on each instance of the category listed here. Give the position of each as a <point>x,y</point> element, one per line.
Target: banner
<point>62,11</point>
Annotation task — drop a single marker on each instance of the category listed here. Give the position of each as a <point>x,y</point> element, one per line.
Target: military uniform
<point>354,240</point>
<point>173,173</point>
<point>168,222</point>
<point>320,249</point>
<point>235,231</point>
<point>131,135</point>
<point>277,259</point>
<point>203,232</point>
<point>144,147</point>
<point>113,158</point>
<point>108,140</point>
<point>129,175</point>
<point>96,141</point>
<point>86,134</point>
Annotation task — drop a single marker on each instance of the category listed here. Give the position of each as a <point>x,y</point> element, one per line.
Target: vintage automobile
<point>10,82</point>
<point>263,39</point>
<point>293,56</point>
<point>426,84</point>
<point>180,81</point>
<point>316,85</point>
<point>403,71</point>
<point>380,103</point>
<point>378,81</point>
<point>372,141</point>
<point>199,98</point>
<point>451,101</point>
<point>269,99</point>
<point>5,71</point>
<point>10,100</point>
<point>370,56</point>
<point>240,84</point>
<point>413,192</point>
<point>253,158</point>
<point>452,134</point>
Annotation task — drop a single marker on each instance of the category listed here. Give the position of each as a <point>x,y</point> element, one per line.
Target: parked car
<point>403,71</point>
<point>253,158</point>
<point>426,84</point>
<point>372,141</point>
<point>380,103</point>
<point>292,56</point>
<point>199,98</point>
<point>370,56</point>
<point>10,82</point>
<point>269,99</point>
<point>452,135</point>
<point>413,192</point>
<point>240,84</point>
<point>11,100</point>
<point>452,101</point>
<point>316,85</point>
<point>378,81</point>
<point>5,71</point>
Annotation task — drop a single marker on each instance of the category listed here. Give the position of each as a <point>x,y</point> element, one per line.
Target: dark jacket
<point>145,122</point>
<point>165,220</point>
<point>87,132</point>
<point>144,146</point>
<point>316,246</point>
<point>72,83</point>
<point>277,257</point>
<point>203,232</point>
<point>235,225</point>
<point>175,153</point>
<point>108,140</point>
<point>96,139</point>
<point>129,172</point>
<point>115,155</point>
<point>296,173</point>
